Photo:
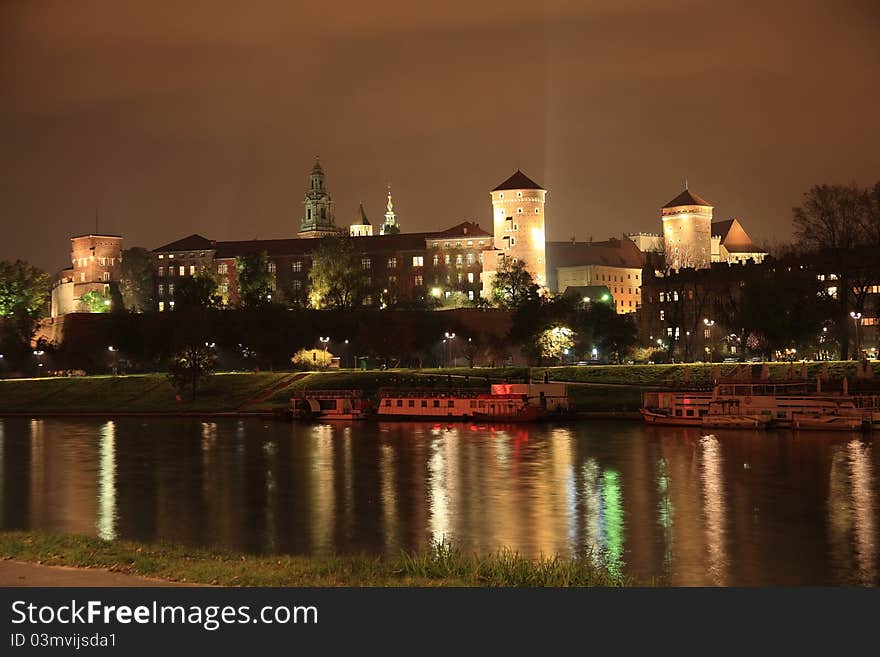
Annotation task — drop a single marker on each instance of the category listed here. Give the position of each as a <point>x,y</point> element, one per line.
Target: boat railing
<point>328,394</point>
<point>438,393</point>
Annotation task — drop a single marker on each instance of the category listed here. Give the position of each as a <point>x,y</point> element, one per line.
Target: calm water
<point>675,505</point>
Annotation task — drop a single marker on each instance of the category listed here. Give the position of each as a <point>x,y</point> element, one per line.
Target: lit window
<point>297,266</point>
<point>470,277</point>
<point>297,285</point>
<point>436,260</point>
<point>161,303</point>
<point>171,256</point>
<point>161,271</point>
<point>171,289</point>
<point>392,263</point>
<point>105,276</point>
<point>182,271</point>
<point>161,289</point>
<point>392,280</point>
<point>161,256</point>
<point>419,281</point>
<point>366,263</point>
<point>470,259</point>
<point>459,260</point>
<point>192,270</point>
<point>418,261</point>
<point>447,259</point>
<point>223,268</point>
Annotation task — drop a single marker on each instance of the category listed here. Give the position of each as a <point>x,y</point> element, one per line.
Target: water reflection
<point>672,506</point>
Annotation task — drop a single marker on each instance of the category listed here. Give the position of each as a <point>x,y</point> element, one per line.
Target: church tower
<point>390,227</point>
<point>361,226</point>
<point>518,219</point>
<point>687,231</point>
<point>317,219</point>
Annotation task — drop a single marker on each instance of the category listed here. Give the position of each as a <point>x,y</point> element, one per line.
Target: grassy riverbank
<point>442,565</point>
<point>593,388</point>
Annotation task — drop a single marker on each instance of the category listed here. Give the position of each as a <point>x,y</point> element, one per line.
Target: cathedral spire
<point>390,226</point>
<point>317,219</point>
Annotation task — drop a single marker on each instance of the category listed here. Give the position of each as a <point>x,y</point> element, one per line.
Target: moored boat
<point>329,405</point>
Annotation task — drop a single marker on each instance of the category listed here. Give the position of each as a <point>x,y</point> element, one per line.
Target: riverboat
<point>752,405</point>
<point>507,402</point>
<point>329,405</point>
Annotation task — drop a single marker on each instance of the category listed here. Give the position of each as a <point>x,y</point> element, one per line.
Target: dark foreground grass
<point>441,565</point>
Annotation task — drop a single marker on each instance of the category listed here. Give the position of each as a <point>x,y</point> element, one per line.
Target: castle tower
<point>518,219</point>
<point>361,226</point>
<point>390,226</point>
<point>317,219</point>
<point>687,231</point>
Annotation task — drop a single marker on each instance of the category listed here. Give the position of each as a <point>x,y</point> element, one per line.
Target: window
<point>223,268</point>
<point>224,288</point>
<point>459,260</point>
<point>388,402</point>
<point>161,271</point>
<point>470,295</point>
<point>501,195</point>
<point>102,261</point>
<point>171,289</point>
<point>424,403</point>
<point>161,256</point>
<point>297,266</point>
<point>192,270</point>
<point>418,261</point>
<point>272,268</point>
<point>450,403</point>
<point>662,315</point>
<point>400,402</point>
<point>512,241</point>
<point>470,277</point>
<point>161,289</point>
<point>436,403</point>
<point>182,271</point>
<point>366,263</point>
<point>447,259</point>
<point>105,276</point>
<point>419,281</point>
<point>392,263</point>
<point>470,259</point>
<point>519,210</point>
<point>519,194</point>
<point>392,280</point>
<point>411,403</point>
<point>537,211</point>
<point>436,260</point>
<point>460,277</point>
<point>297,285</point>
<point>707,333</point>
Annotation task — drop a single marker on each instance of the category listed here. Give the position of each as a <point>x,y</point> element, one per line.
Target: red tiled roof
<point>192,243</point>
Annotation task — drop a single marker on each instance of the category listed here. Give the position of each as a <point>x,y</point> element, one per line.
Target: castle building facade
<point>518,222</point>
<point>96,264</point>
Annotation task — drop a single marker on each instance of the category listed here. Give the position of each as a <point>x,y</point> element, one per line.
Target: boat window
<point>424,403</point>
<point>400,402</point>
<point>436,403</point>
<point>450,403</point>
<point>703,412</point>
<point>388,402</point>
<point>411,403</point>
<point>689,412</point>
<point>678,412</point>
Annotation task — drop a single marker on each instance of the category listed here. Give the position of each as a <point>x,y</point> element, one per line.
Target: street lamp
<point>709,324</point>
<point>448,341</point>
<point>856,318</point>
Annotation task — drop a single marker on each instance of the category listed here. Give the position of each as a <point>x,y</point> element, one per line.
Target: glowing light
<point>436,292</point>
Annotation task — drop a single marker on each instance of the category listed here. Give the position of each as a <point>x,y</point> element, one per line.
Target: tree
<point>840,225</point>
<point>137,284</point>
<point>513,286</point>
<point>337,277</point>
<point>617,334</point>
<point>95,302</point>
<point>24,289</point>
<point>199,291</point>
<point>555,341</point>
<point>191,366</point>
<point>312,359</point>
<point>254,279</point>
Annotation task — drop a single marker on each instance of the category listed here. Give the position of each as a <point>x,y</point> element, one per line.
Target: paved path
<point>17,573</point>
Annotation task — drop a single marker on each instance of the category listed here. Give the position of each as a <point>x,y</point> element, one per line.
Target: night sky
<point>171,118</point>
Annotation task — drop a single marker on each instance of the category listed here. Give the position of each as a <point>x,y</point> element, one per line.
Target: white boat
<point>828,422</point>
<point>329,405</point>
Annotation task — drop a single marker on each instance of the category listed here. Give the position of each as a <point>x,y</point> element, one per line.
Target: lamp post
<point>857,319</point>
<point>709,324</point>
<point>325,341</point>
<point>112,351</point>
<point>449,337</point>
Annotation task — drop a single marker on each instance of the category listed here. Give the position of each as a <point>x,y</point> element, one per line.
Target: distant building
<point>361,226</point>
<point>390,227</point>
<point>518,219</point>
<point>616,264</point>
<point>731,244</point>
<point>96,264</point>
<point>318,219</point>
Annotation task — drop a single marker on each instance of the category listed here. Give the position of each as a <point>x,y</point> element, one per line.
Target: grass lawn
<point>441,565</point>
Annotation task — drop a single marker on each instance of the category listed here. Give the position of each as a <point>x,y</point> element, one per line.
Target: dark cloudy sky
<point>180,116</point>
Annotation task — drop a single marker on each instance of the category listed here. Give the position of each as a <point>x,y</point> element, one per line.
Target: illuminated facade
<point>361,226</point>
<point>318,219</point>
<point>687,231</point>
<point>96,264</point>
<point>518,220</point>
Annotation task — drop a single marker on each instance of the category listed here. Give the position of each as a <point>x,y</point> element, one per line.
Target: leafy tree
<point>337,278</point>
<point>841,224</point>
<point>513,286</point>
<point>555,341</point>
<point>312,359</point>
<point>95,302</point>
<point>617,333</point>
<point>254,279</point>
<point>137,284</point>
<point>24,289</point>
<point>199,291</point>
<point>191,366</point>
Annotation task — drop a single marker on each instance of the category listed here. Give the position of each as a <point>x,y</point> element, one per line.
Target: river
<point>677,506</point>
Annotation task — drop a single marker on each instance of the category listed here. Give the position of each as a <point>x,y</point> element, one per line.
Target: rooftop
<point>687,198</point>
<point>610,253</point>
<point>518,180</point>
